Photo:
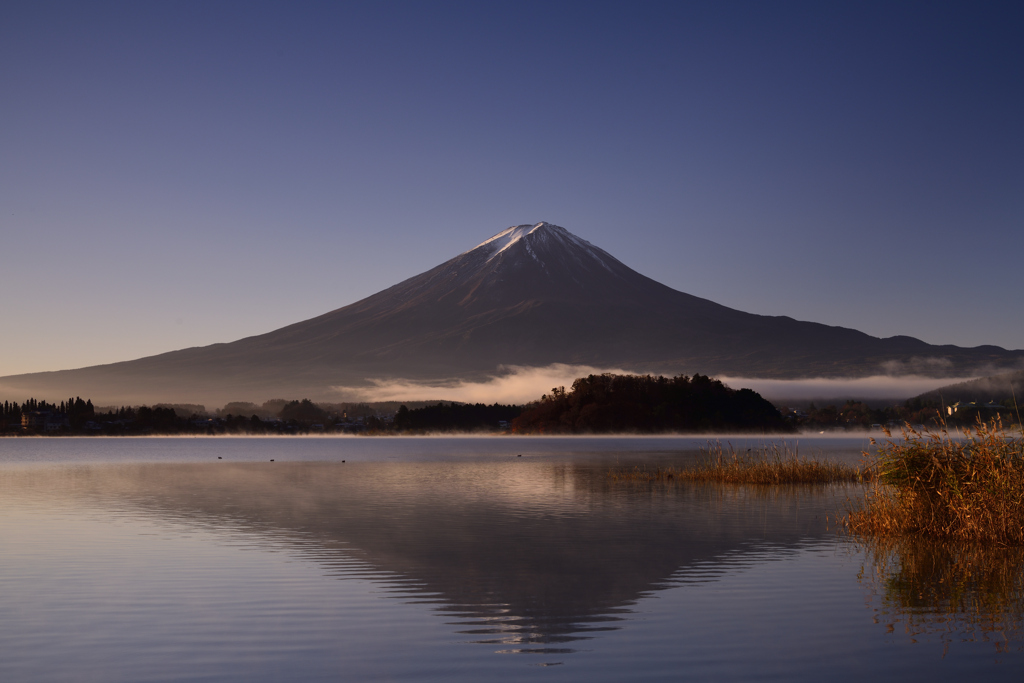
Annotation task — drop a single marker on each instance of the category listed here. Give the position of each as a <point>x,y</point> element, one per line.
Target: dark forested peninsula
<point>646,404</point>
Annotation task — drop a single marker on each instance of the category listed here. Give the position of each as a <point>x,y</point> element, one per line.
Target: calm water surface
<point>465,559</point>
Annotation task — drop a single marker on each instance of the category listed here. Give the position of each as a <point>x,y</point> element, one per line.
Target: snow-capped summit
<point>536,239</point>
<point>506,238</point>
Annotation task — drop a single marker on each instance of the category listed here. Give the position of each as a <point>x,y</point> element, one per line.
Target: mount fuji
<point>532,295</point>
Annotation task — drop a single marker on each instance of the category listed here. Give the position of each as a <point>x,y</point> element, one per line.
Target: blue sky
<point>179,174</point>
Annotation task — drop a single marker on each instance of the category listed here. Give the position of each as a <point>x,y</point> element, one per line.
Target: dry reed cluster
<point>769,465</point>
<point>967,487</point>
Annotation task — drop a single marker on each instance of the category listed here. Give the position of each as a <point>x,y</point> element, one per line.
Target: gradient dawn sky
<point>177,174</point>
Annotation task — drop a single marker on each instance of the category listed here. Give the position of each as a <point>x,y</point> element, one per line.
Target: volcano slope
<point>532,295</point>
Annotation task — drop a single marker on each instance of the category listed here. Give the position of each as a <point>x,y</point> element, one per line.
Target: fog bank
<point>520,384</point>
<point>876,387</point>
<point>516,385</point>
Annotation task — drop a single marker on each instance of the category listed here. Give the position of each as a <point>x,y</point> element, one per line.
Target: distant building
<point>971,405</point>
<point>960,405</point>
<point>34,419</point>
<point>44,420</point>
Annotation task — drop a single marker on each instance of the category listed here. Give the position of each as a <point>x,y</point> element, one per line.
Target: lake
<point>467,559</point>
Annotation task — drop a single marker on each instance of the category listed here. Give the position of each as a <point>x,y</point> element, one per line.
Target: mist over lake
<point>441,558</point>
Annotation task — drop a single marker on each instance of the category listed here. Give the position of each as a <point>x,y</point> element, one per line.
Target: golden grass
<point>964,487</point>
<point>769,465</point>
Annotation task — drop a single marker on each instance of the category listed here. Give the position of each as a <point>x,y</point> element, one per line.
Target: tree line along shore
<point>594,404</point>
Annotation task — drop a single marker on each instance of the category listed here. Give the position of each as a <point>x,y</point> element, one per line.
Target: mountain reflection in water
<point>526,557</point>
<point>956,591</point>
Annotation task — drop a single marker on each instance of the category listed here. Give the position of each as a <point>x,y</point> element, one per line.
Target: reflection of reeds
<point>769,465</point>
<point>957,590</point>
<point>968,489</point>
